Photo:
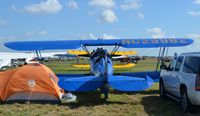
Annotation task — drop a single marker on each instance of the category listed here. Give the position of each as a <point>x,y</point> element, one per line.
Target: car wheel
<point>185,102</point>
<point>162,89</point>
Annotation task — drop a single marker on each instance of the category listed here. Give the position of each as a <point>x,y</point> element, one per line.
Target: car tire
<point>162,89</point>
<point>185,102</point>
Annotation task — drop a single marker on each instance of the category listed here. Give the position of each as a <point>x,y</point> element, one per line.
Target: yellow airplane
<point>76,52</point>
<point>124,54</point>
<point>81,52</point>
<point>129,65</point>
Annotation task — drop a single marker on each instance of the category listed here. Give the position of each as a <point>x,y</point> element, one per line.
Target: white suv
<point>181,80</point>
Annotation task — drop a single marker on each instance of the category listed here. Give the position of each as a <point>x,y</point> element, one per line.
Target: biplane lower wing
<point>80,84</point>
<point>92,83</point>
<point>127,83</point>
<point>155,75</point>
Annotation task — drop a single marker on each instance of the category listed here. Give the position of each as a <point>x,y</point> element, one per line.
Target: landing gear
<point>104,90</point>
<point>105,96</point>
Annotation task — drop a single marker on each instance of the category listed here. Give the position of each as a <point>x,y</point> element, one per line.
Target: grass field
<point>66,66</point>
<point>141,103</point>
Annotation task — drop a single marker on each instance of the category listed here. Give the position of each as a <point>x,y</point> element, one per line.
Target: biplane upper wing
<point>73,44</point>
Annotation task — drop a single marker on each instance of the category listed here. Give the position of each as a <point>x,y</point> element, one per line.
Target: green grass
<point>66,66</point>
<point>143,103</point>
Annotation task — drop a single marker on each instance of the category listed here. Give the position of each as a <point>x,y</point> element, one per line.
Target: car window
<point>172,64</point>
<point>192,65</point>
<point>178,63</point>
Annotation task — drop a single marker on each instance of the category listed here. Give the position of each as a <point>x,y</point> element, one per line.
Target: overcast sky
<point>92,19</point>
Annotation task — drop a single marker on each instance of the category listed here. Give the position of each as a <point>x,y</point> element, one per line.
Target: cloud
<point>91,36</point>
<point>39,33</point>
<point>4,39</point>
<point>103,4</point>
<point>193,35</point>
<point>3,22</point>
<point>105,7</point>
<point>87,36</point>
<point>140,15</point>
<point>103,36</point>
<point>44,7</point>
<point>195,46</point>
<point>72,4</point>
<point>108,16</point>
<point>91,13</point>
<point>190,48</point>
<point>196,1</point>
<point>156,32</point>
<point>29,34</point>
<point>14,7</point>
<point>193,13</point>
<point>131,4</point>
<point>108,36</point>
<point>43,32</point>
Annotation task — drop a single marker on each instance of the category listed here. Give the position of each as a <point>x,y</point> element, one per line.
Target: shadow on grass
<point>91,103</point>
<point>136,92</point>
<point>155,106</point>
<point>88,99</point>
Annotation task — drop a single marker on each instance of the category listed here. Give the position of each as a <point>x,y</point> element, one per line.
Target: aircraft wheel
<point>162,89</point>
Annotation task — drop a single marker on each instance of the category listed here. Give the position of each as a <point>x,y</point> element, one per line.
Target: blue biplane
<point>101,72</point>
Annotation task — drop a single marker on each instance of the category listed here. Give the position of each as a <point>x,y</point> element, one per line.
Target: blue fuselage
<point>101,64</point>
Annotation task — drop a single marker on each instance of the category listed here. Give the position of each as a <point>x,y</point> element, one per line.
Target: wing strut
<point>162,53</point>
<point>85,49</point>
<point>114,49</point>
<point>37,54</point>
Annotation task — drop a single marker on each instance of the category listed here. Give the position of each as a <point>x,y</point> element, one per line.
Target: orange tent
<point>34,82</point>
